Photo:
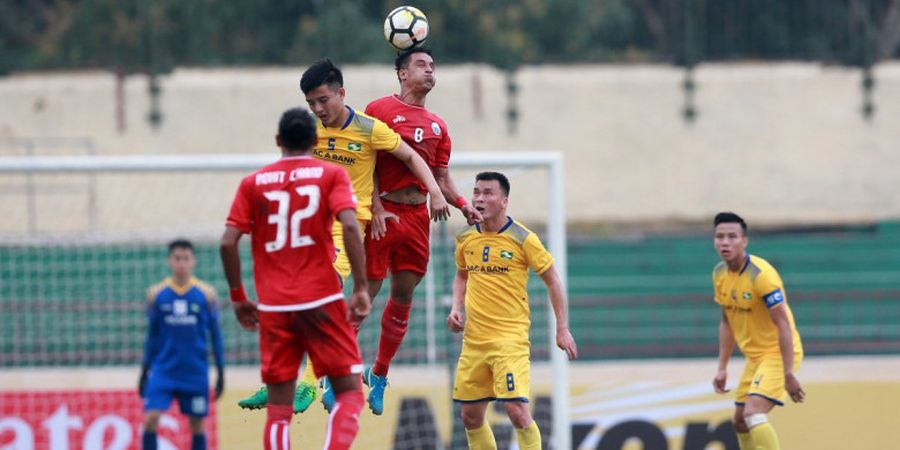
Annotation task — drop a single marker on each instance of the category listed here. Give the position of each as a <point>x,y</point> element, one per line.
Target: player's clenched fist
<point>245,311</point>
<point>456,321</point>
<point>719,382</point>
<point>360,307</point>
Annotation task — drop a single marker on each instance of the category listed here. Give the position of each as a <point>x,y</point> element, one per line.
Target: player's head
<point>323,86</point>
<point>296,132</point>
<point>491,194</point>
<point>730,237</point>
<point>415,69</point>
<point>181,258</point>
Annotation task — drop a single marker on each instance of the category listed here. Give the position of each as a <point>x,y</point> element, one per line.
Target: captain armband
<point>774,298</point>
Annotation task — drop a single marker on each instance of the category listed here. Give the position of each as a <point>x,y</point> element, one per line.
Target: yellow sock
<point>529,437</point>
<point>481,438</point>
<point>309,375</point>
<point>764,437</point>
<point>745,442</point>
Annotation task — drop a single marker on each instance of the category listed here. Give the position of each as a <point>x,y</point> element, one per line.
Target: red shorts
<point>404,247</point>
<point>324,333</point>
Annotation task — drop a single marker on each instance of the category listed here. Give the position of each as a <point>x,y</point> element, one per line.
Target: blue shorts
<point>194,403</point>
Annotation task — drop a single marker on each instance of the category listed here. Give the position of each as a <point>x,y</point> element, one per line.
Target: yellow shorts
<point>341,261</point>
<point>765,377</point>
<point>493,371</point>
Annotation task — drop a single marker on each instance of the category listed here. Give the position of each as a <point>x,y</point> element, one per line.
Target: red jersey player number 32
<point>288,209</point>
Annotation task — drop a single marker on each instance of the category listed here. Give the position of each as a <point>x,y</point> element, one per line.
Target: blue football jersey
<point>180,317</point>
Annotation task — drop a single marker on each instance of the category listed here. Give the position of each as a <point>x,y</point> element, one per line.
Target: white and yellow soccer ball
<point>405,27</point>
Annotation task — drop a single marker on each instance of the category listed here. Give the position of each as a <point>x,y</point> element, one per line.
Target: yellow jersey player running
<point>756,316</point>
<point>490,307</point>
<point>352,140</point>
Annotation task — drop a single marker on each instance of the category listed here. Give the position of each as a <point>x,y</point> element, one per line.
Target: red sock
<point>278,421</point>
<point>394,323</point>
<point>343,423</point>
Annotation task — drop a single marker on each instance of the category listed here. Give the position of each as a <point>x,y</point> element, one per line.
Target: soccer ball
<point>405,27</point>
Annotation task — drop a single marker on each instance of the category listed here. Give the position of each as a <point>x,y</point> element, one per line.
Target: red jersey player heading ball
<point>398,239</point>
<point>288,208</point>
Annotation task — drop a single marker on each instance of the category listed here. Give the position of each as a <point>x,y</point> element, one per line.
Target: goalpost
<point>209,168</point>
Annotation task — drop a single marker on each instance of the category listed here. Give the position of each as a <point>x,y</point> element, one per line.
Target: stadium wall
<point>780,142</point>
<point>665,404</point>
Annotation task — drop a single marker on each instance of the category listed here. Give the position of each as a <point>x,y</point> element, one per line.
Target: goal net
<point>83,238</point>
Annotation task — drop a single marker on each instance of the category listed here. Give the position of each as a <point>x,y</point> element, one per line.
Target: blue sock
<point>149,440</point>
<point>198,442</point>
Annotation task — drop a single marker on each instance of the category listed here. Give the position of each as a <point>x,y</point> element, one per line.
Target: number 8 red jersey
<point>288,208</point>
<point>423,130</point>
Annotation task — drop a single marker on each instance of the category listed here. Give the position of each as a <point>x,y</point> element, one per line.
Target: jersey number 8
<point>280,218</point>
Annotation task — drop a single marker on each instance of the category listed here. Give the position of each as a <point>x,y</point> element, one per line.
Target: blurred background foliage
<point>127,36</point>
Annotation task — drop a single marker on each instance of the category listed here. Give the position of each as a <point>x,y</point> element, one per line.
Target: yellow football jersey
<point>355,146</point>
<point>746,297</point>
<point>496,292</point>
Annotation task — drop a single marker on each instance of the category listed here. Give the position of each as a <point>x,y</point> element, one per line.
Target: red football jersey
<point>288,208</point>
<point>423,130</point>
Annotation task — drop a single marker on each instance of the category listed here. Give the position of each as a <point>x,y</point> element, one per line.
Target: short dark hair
<point>321,72</point>
<point>730,217</point>
<point>403,57</point>
<point>499,177</point>
<point>180,243</point>
<point>297,129</point>
<point>402,61</point>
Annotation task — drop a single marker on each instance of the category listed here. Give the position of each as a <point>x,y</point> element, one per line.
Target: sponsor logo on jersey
<point>334,157</point>
<point>354,147</point>
<point>435,128</point>
<point>398,118</point>
<point>180,314</point>
<point>506,254</point>
<point>179,307</point>
<point>747,296</point>
<point>486,268</point>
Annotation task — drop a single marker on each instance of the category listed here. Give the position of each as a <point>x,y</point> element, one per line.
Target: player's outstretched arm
<point>440,210</point>
<point>360,302</point>
<point>564,339</point>
<point>231,263</point>
<point>726,347</point>
<point>448,188</point>
<point>786,345</point>
<point>456,321</point>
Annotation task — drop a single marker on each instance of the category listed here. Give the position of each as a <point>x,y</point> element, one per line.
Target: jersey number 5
<point>280,218</point>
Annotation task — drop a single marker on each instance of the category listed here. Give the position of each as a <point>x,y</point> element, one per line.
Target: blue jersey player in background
<point>181,310</point>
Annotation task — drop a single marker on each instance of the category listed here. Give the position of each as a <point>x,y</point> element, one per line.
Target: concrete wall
<point>776,142</point>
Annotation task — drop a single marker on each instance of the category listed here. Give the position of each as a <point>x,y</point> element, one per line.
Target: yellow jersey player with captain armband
<point>756,317</point>
<point>490,307</point>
